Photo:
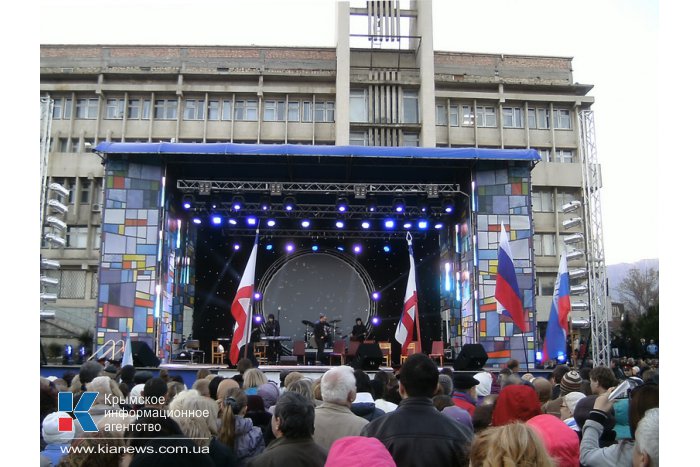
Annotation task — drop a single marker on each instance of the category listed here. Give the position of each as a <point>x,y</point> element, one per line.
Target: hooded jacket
<point>560,440</point>
<point>515,402</point>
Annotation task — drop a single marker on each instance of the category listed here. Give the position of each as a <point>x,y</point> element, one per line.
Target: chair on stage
<point>385,347</point>
<point>338,351</point>
<point>260,352</point>
<point>410,350</point>
<point>438,350</point>
<point>216,356</point>
<point>299,350</point>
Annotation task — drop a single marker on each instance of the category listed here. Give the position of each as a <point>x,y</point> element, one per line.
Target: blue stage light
<point>342,204</point>
<point>197,220</point>
<point>376,321</point>
<point>561,357</point>
<point>314,248</point>
<point>257,295</point>
<point>387,248</point>
<point>389,223</point>
<point>236,246</point>
<point>289,247</point>
<point>232,221</point>
<point>340,224</point>
<point>365,224</point>
<point>340,248</point>
<point>289,203</point>
<point>422,225</point>
<point>538,356</point>
<point>439,225</point>
<point>251,220</point>
<point>305,224</point>
<point>216,220</point>
<point>376,296</point>
<point>407,225</point>
<point>271,222</point>
<point>268,247</point>
<point>357,248</point>
<point>237,203</point>
<point>258,319</point>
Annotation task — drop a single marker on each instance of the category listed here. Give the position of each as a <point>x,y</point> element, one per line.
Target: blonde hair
<point>178,402</point>
<point>511,445</point>
<point>253,378</point>
<point>232,405</point>
<point>199,429</point>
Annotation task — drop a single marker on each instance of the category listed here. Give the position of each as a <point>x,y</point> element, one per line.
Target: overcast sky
<point>614,45</point>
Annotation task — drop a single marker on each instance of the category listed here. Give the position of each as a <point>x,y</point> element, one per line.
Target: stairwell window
<point>565,156</point>
<point>467,115</point>
<point>544,244</point>
<point>293,111</point>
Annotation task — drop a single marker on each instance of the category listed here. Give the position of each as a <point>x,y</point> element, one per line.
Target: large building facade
<point>381,86</point>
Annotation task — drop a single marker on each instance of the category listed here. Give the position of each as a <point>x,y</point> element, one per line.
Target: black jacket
<point>417,434</point>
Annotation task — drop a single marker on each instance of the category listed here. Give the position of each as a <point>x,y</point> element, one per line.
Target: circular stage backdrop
<point>314,283</point>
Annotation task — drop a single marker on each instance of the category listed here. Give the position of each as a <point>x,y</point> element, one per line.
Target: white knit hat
<point>572,398</point>
<point>485,380</point>
<point>49,429</point>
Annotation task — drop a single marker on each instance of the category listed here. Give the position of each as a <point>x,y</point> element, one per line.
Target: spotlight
<point>251,220</point>
<point>289,247</point>
<point>371,203</point>
<point>399,205</point>
<point>187,201</point>
<point>314,248</point>
<point>340,224</point>
<point>386,248</point>
<point>342,204</point>
<point>422,225</point>
<point>265,203</point>
<point>340,248</point>
<point>232,221</point>
<point>376,296</point>
<point>375,321</point>
<point>538,356</point>
<point>268,247</point>
<point>215,202</point>
<point>258,319</point>
<point>237,203</point>
<point>305,224</point>
<point>561,357</point>
<point>289,203</point>
<point>271,222</point>
<point>448,205</point>
<point>389,224</point>
<point>407,225</point>
<point>197,220</point>
<point>357,249</point>
<point>365,224</point>
<point>257,296</point>
<point>216,219</point>
<point>423,205</point>
<point>67,354</point>
<point>236,246</point>
<point>439,225</point>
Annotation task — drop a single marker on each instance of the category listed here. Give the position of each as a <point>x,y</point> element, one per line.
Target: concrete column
<point>426,63</point>
<point>342,77</point>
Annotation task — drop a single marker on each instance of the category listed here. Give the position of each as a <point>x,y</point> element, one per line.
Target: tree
<point>640,290</point>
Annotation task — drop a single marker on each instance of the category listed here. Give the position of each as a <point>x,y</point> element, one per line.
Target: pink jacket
<point>561,441</point>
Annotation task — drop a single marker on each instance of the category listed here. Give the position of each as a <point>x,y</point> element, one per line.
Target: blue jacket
<point>249,440</point>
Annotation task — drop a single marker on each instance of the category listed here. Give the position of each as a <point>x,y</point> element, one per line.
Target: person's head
<point>446,384</point>
<point>89,371</point>
<point>303,387</point>
<point>509,445</point>
<point>203,373</point>
<point>358,321</point>
<point>646,446</point>
<point>561,442</point>
<point>338,386</point>
<point>174,388</point>
<point>271,317</point>
<point>106,388</point>
<point>442,400</point>
<point>510,379</point>
<point>483,413</point>
<point>602,378</point>
<point>558,373</point>
<point>485,381</point>
<point>464,382</point>
<point>253,378</point>
<point>642,398</point>
<point>97,449</point>
<point>163,373</point>
<point>322,318</point>
<point>362,381</point>
<point>201,386</point>
<point>419,376</point>
<point>516,402</point>
<point>235,404</point>
<point>50,429</point>
<point>293,417</point>
<point>143,429</point>
<point>291,377</point>
<point>359,451</point>
<point>316,389</point>
<point>570,382</point>
<point>199,428</point>
<point>513,365</point>
<point>214,386</point>
<point>155,392</point>
<point>543,387</point>
<point>243,365</point>
<point>126,374</point>
<point>225,387</point>
<point>568,404</point>
<point>269,393</point>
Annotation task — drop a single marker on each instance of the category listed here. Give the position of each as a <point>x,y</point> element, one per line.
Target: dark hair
<point>419,376</point>
<point>447,371</point>
<point>149,428</point>
<point>642,398</point>
<point>362,381</point>
<point>441,401</point>
<point>482,416</point>
<point>179,451</point>
<point>244,364</point>
<point>283,375</point>
<point>214,385</point>
<point>604,376</point>
<point>378,388</point>
<point>558,373</point>
<point>177,378</point>
<point>358,319</point>
<point>296,415</point>
<point>271,315</point>
<point>393,395</point>
<point>155,387</point>
<point>127,373</point>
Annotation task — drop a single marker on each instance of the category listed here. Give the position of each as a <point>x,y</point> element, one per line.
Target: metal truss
<point>309,211</point>
<point>277,188</point>
<point>595,254</point>
<point>322,234</point>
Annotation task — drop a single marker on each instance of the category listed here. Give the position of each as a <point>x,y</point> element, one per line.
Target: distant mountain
<point>617,272</point>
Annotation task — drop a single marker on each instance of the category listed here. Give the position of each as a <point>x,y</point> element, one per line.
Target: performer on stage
<point>271,329</point>
<point>320,337</point>
<point>359,331</point>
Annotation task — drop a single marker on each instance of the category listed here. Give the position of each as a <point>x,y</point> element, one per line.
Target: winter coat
<point>334,421</point>
<point>249,440</point>
<point>285,452</point>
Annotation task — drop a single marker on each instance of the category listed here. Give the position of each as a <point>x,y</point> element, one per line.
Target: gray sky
<point>614,44</point>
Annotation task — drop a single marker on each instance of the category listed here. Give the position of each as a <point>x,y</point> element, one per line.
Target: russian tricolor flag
<point>558,324</point>
<point>507,291</point>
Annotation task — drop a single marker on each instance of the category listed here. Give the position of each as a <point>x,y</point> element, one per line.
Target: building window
<point>77,237</point>
<point>565,156</point>
<point>95,284</point>
<point>544,244</point>
<point>512,117</point>
<point>84,191</point>
<point>114,110</point>
<point>542,201</point>
<point>72,284</point>
<point>545,155</point>
<point>274,111</point>
<point>293,111</point>
<point>97,239</point>
<point>486,117</point>
<point>562,119</point>
<point>62,108</point>
<point>410,107</point>
<point>62,144</point>
<point>454,115</point>
<point>467,116</point>
<point>324,111</point>
<point>545,285</point>
<point>306,115</point>
<point>139,108</point>
<point>246,110</point>
<point>219,109</point>
<point>86,109</point>
<point>166,109</point>
<point>441,114</point>
<point>358,138</point>
<point>564,197</point>
<point>410,139</point>
<point>358,106</point>
<point>194,109</point>
<point>538,118</point>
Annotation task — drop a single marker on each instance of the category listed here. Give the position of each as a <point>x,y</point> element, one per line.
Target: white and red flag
<point>409,315</point>
<point>241,306</point>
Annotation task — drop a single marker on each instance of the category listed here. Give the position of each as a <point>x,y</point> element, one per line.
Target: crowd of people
<point>417,415</point>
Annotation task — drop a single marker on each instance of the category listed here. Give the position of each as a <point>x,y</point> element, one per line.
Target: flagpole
<point>249,320</point>
<point>409,239</point>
